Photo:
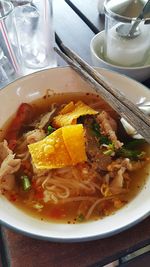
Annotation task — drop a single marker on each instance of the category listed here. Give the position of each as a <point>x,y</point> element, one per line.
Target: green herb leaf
<point>25,182</point>
<point>131,154</point>
<point>96,129</point>
<point>134,143</point>
<point>110,151</point>
<point>50,129</point>
<point>80,218</point>
<point>97,132</point>
<point>104,140</point>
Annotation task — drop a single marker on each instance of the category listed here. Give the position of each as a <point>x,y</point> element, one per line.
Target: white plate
<point>34,86</point>
<point>97,47</point>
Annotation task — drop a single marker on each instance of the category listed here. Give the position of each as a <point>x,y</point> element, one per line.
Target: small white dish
<point>97,48</point>
<point>34,86</point>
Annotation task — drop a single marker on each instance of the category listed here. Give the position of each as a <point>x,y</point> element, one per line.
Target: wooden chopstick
<point>99,79</point>
<point>117,100</point>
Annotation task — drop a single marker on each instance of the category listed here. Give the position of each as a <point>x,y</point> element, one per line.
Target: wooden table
<point>76,22</point>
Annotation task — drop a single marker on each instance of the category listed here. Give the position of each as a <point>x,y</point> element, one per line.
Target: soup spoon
<point>145,107</point>
<point>131,31</point>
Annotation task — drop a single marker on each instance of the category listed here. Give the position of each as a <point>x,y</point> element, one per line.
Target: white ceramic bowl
<point>34,86</point>
<point>97,47</point>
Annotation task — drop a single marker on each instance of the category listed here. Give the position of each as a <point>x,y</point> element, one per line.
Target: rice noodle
<point>68,183</point>
<point>71,186</point>
<point>64,194</point>
<point>95,204</point>
<point>84,198</point>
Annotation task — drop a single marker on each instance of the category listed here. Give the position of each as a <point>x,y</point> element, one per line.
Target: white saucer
<point>139,73</point>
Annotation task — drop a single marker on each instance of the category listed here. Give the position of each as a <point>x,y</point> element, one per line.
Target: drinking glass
<point>100,7</point>
<point>125,50</point>
<point>35,32</point>
<point>10,56</point>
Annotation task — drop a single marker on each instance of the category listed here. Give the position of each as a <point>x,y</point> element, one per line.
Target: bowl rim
<point>101,36</point>
<point>78,239</point>
<point>88,237</point>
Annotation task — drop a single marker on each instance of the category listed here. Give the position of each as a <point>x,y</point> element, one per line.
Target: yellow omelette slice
<point>71,112</point>
<point>64,147</point>
<point>73,136</point>
<point>67,108</point>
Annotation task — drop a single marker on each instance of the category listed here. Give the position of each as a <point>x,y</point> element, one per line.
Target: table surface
<point>76,22</point>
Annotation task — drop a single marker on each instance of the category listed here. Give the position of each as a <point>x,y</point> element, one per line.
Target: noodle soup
<point>67,158</point>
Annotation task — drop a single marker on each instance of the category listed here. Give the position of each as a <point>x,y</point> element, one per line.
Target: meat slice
<point>23,116</point>
<point>108,127</point>
<point>117,173</point>
<point>96,157</point>
<point>9,165</point>
<point>45,119</point>
<point>4,151</point>
<point>35,136</point>
<point>119,163</point>
<point>7,182</point>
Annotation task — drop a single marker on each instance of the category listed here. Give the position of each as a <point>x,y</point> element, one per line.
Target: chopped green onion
<point>38,206</point>
<point>110,150</point>
<point>80,218</point>
<point>25,182</point>
<point>50,129</point>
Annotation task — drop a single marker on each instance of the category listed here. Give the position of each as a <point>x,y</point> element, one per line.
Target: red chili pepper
<point>38,190</point>
<point>39,194</point>
<point>34,186</point>
<point>23,116</point>
<point>13,197</point>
